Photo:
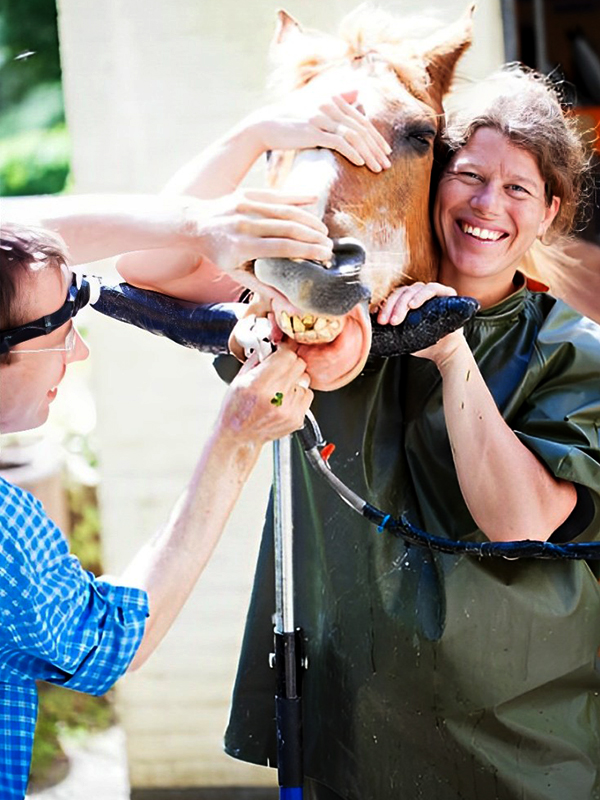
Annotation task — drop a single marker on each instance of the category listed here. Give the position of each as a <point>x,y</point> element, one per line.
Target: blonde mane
<point>368,31</point>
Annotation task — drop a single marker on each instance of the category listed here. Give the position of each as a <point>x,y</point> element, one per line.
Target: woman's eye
<point>470,176</point>
<point>514,187</point>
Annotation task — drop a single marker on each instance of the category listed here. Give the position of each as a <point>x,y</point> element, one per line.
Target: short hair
<point>23,250</point>
<point>527,108</point>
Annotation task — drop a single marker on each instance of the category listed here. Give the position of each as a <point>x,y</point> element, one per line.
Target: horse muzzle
<point>316,289</point>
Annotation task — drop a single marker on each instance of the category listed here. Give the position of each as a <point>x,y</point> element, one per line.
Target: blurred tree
<point>34,158</point>
<point>27,27</point>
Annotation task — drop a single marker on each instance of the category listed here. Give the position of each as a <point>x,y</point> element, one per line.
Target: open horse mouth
<point>308,329</point>
<point>319,295</point>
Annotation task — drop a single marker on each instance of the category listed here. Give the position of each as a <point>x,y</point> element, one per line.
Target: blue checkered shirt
<point>58,623</point>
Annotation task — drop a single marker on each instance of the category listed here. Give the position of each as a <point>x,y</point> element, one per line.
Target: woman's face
<point>489,208</point>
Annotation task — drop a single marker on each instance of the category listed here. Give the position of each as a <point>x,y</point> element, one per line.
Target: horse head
<point>401,81</point>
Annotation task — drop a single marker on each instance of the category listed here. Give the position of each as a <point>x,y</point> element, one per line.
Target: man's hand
<point>257,224</point>
<point>268,400</point>
<point>221,236</point>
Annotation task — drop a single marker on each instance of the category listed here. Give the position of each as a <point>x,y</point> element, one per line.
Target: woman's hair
<point>524,106</point>
<point>23,250</point>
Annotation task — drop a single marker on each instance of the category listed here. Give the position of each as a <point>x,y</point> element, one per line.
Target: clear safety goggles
<point>68,347</point>
<point>82,291</point>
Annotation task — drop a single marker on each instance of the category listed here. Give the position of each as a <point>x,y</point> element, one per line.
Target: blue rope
<point>527,548</point>
<point>384,522</point>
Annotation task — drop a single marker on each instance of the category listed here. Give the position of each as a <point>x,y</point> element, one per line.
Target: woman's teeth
<point>481,233</point>
<point>309,329</point>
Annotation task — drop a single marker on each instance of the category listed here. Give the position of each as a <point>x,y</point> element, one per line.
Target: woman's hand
<point>336,124</point>
<point>396,306</point>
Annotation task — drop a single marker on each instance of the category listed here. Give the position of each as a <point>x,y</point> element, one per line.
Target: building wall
<point>147,86</point>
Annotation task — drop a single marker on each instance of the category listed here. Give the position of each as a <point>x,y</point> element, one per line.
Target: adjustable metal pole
<point>288,640</point>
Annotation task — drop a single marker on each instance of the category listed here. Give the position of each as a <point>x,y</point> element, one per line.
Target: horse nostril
<point>315,288</point>
<point>348,255</point>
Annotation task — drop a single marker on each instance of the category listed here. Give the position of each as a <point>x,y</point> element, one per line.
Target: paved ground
<point>98,770</point>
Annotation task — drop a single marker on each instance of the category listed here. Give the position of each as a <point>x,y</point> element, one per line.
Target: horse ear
<point>442,51</point>
<point>286,28</point>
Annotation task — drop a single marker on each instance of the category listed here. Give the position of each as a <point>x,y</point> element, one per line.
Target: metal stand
<point>288,660</point>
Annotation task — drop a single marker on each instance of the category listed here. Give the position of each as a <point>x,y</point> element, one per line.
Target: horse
<point>401,81</point>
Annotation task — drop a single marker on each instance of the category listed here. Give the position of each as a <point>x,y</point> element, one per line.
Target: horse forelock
<point>367,33</point>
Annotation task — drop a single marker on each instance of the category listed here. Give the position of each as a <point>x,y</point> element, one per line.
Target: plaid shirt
<point>58,623</point>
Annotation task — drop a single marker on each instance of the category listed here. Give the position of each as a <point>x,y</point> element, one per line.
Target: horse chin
<point>338,362</point>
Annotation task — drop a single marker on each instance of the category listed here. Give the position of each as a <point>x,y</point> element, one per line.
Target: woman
<point>435,675</point>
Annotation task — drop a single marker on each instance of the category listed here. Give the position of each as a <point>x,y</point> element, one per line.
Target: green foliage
<point>27,26</point>
<point>85,527</point>
<point>34,151</point>
<point>35,162</point>
<point>41,108</point>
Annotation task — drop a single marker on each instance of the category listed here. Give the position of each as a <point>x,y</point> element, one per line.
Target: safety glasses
<point>68,347</point>
<point>77,297</point>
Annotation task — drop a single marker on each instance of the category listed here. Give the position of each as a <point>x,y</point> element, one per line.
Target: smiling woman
<point>432,675</point>
<point>490,207</point>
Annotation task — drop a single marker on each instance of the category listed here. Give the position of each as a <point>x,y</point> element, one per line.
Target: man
<point>59,623</point>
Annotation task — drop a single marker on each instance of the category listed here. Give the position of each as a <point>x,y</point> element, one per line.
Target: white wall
<point>148,83</point>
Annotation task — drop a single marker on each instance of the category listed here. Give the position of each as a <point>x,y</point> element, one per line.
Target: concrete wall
<point>147,85</point>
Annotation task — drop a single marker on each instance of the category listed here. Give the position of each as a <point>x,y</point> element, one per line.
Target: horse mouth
<point>308,328</point>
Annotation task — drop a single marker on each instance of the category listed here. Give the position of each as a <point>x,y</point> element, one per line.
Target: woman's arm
<point>510,494</point>
<point>250,225</point>
<point>334,123</point>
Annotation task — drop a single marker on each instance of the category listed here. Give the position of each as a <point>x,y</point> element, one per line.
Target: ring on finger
<point>277,399</point>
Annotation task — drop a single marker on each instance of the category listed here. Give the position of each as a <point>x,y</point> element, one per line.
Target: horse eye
<point>421,140</point>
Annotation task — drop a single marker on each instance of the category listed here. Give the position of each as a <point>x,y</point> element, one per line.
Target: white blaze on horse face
<point>388,257</point>
<point>313,172</point>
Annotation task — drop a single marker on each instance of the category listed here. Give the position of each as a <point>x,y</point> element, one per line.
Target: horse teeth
<point>285,324</point>
<point>308,337</point>
<point>320,323</point>
<point>335,324</point>
<point>297,324</point>
<point>308,320</point>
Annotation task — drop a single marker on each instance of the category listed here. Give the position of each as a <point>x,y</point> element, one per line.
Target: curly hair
<point>527,108</point>
<point>23,249</point>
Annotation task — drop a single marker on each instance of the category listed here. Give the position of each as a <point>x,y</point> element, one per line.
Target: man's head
<point>34,282</point>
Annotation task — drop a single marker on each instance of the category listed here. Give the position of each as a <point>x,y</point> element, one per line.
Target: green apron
<point>437,676</point>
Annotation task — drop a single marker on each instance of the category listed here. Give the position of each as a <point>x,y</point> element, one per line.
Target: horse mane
<point>569,268</point>
<point>365,32</point>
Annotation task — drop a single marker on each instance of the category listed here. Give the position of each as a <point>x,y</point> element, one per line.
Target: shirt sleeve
<point>59,623</point>
<point>560,419</point>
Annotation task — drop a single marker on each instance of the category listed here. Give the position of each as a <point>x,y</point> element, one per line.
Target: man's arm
<point>168,567</point>
<point>101,226</point>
